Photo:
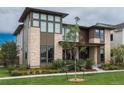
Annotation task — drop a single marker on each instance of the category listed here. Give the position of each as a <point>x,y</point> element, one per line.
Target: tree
<point>118,55</point>
<point>9,52</point>
<point>74,36</point>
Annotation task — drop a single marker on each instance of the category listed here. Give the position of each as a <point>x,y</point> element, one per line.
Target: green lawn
<point>4,72</point>
<point>91,79</point>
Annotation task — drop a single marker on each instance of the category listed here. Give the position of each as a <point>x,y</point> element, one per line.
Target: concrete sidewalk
<point>58,74</point>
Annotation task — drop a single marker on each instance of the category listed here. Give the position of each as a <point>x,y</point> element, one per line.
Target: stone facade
<point>107,46</point>
<point>93,51</point>
<point>34,47</point>
<point>57,46</point>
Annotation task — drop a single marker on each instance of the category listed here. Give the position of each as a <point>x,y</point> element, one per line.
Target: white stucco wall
<point>118,38</point>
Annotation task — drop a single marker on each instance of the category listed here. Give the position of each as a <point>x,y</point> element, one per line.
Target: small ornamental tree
<point>9,52</point>
<point>74,37</point>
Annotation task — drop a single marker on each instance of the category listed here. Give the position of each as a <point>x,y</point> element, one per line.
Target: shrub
<point>22,67</point>
<point>58,63</point>
<point>111,67</point>
<point>18,73</point>
<point>11,68</point>
<point>89,63</point>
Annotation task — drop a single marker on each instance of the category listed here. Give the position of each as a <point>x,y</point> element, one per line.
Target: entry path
<point>58,74</point>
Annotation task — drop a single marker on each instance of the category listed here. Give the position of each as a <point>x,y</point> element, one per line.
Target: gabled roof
<point>28,10</point>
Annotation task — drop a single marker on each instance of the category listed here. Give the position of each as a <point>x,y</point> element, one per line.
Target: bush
<point>58,63</point>
<point>111,67</point>
<point>18,73</point>
<point>11,68</point>
<point>22,67</point>
<point>89,64</point>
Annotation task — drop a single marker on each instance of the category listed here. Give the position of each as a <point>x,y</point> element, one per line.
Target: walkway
<point>57,74</point>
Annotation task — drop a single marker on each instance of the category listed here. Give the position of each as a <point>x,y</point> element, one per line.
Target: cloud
<point>88,16</point>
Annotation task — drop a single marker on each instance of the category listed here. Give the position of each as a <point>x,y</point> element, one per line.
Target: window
<point>57,19</point>
<point>50,53</point>
<point>35,15</point>
<point>43,26</point>
<point>43,53</point>
<point>50,18</point>
<point>111,37</point>
<point>101,35</point>
<point>50,27</point>
<point>102,53</point>
<point>67,35</point>
<point>35,23</point>
<point>63,33</point>
<point>97,33</point>
<point>43,17</point>
<point>57,27</point>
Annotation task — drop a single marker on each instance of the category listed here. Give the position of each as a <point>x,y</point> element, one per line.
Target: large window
<point>35,23</point>
<point>47,52</point>
<point>50,27</point>
<point>57,18</point>
<point>46,22</point>
<point>43,26</point>
<point>57,28</point>
<point>50,18</point>
<point>43,53</point>
<point>43,17</point>
<point>35,15</point>
<point>50,53</point>
<point>99,33</point>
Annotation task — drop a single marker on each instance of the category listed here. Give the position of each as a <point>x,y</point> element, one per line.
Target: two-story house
<point>41,32</point>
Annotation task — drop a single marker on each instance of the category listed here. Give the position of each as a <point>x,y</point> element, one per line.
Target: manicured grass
<point>4,72</point>
<point>114,78</point>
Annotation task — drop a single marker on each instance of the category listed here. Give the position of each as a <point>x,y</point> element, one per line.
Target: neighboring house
<point>39,39</point>
<point>117,36</point>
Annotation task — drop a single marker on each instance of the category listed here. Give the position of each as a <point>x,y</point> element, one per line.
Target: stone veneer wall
<point>107,46</point>
<point>93,51</point>
<point>34,47</point>
<point>57,46</point>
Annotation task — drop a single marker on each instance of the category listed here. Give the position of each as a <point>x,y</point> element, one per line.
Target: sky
<point>88,16</point>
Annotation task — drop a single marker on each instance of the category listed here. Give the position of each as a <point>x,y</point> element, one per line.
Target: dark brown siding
<point>84,35</point>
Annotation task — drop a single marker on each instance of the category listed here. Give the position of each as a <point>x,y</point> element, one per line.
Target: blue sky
<point>88,16</point>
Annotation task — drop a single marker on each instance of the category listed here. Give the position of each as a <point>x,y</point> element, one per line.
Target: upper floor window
<point>99,33</point>
<point>57,19</point>
<point>43,17</point>
<point>43,26</point>
<point>50,18</point>
<point>111,37</point>
<point>50,27</point>
<point>35,23</point>
<point>35,15</point>
<point>57,28</point>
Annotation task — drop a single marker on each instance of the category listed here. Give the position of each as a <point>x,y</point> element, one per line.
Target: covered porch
<point>93,51</point>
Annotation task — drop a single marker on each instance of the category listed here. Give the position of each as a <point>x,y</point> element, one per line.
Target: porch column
<point>93,54</point>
